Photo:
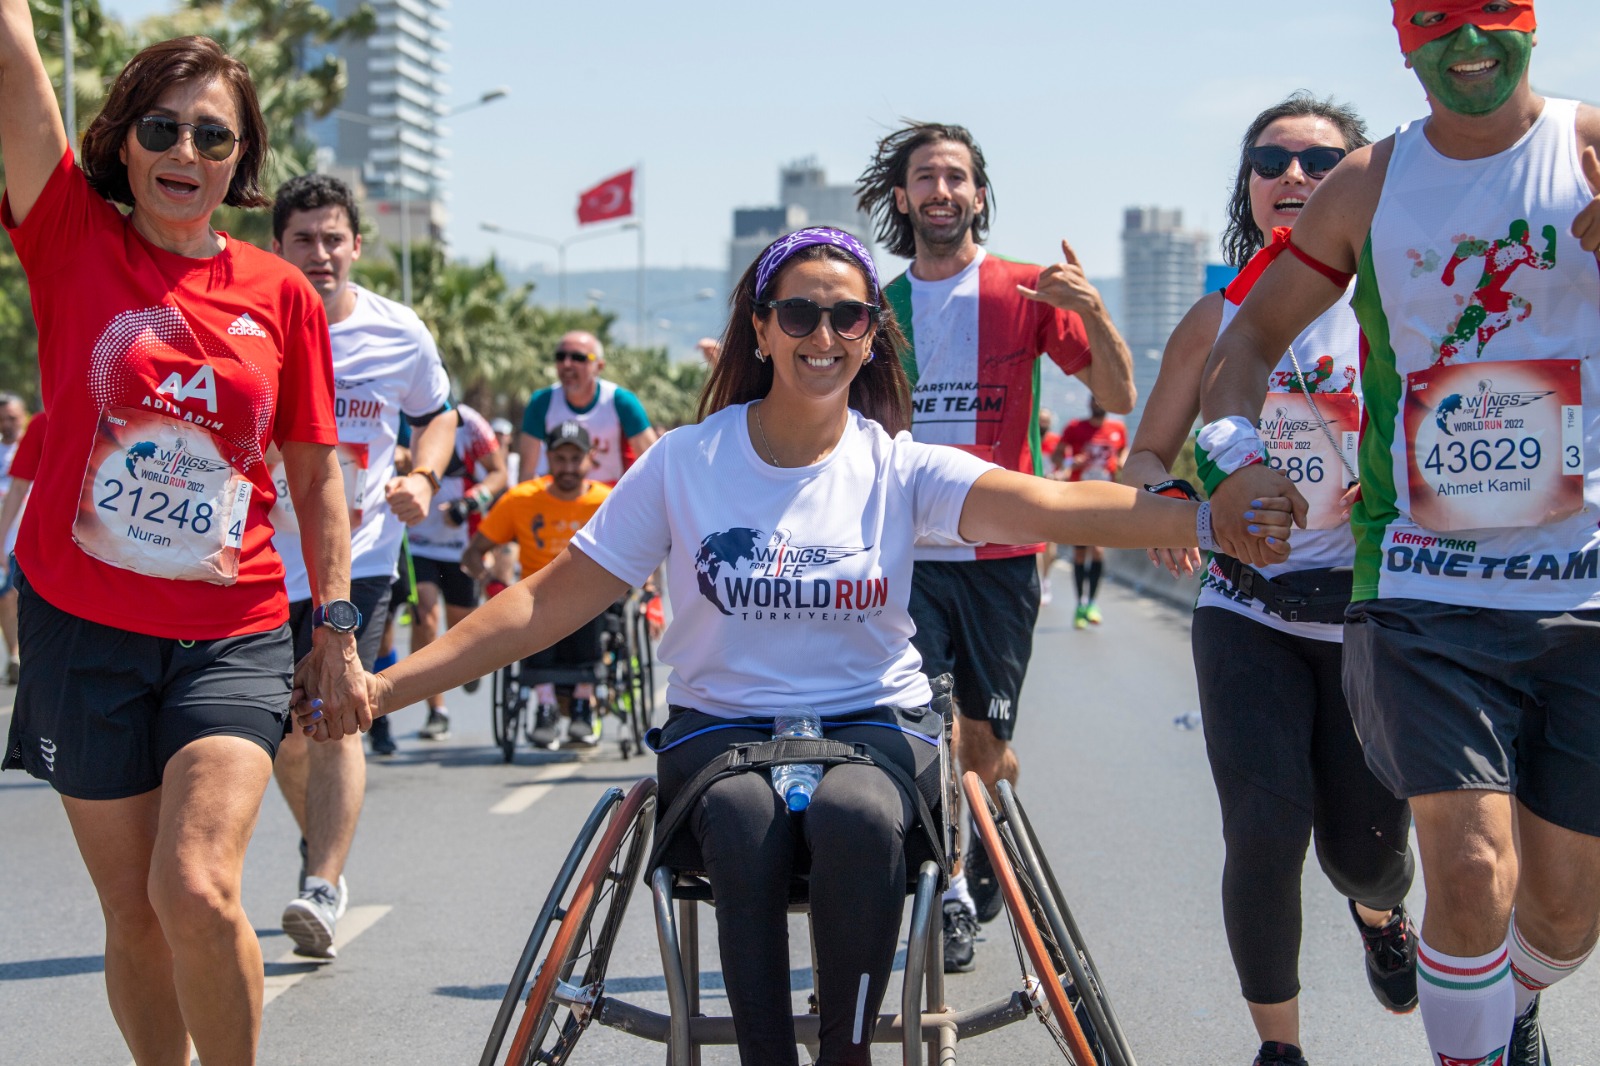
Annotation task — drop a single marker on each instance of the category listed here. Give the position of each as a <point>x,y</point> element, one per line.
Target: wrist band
<point>1202,528</point>
<point>432,478</point>
<point>1224,446</point>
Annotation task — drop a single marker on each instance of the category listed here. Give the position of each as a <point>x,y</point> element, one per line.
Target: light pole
<point>488,97</point>
<point>559,245</point>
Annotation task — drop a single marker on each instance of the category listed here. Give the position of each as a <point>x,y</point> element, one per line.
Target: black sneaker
<point>381,737</point>
<point>437,727</point>
<point>1277,1053</point>
<point>1391,960</point>
<point>982,883</point>
<point>543,734</point>
<point>960,935</point>
<point>1527,1039</point>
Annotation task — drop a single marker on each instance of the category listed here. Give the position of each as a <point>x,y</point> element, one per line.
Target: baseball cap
<point>501,425</point>
<point>568,433</point>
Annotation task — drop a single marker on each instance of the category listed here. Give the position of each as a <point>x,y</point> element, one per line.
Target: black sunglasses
<point>565,356</point>
<point>1270,161</point>
<point>850,319</point>
<point>157,133</point>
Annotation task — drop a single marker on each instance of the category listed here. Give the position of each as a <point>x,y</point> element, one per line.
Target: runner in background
<point>22,466</point>
<point>13,421</point>
<point>1470,644</point>
<point>613,416</point>
<point>446,594</point>
<point>1288,769</point>
<point>976,327</point>
<point>1048,439</point>
<point>1096,448</point>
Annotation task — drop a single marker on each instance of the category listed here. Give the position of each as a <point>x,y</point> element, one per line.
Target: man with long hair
<point>976,326</point>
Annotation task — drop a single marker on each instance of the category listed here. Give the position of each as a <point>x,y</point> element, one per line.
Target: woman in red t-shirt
<point>152,610</point>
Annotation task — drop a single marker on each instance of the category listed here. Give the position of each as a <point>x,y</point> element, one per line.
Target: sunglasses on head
<point>1270,161</point>
<point>850,319</point>
<point>567,356</point>
<point>157,133</point>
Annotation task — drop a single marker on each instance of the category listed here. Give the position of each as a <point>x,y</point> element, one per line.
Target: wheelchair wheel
<point>1036,944</point>
<point>558,1011</point>
<point>506,712</point>
<point>643,668</point>
<point>1058,916</point>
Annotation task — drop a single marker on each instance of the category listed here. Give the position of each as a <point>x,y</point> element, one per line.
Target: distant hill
<point>671,294</point>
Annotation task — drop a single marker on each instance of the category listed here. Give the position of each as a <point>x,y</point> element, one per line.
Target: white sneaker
<point>309,920</point>
<point>1044,592</point>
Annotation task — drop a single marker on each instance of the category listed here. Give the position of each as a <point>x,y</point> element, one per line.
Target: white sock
<point>1534,970</point>
<point>1468,1004</point>
<point>958,890</point>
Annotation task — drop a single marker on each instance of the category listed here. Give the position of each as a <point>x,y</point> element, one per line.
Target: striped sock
<point>1468,1005</point>
<point>1533,969</point>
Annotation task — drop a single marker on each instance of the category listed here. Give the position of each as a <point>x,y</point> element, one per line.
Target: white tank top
<point>605,430</point>
<point>1293,432</point>
<point>1480,462</point>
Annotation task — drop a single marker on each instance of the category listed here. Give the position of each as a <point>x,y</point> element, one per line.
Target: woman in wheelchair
<point>787,517</point>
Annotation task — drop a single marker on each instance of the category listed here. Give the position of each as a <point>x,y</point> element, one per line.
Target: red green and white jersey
<point>1480,315</point>
<point>973,360</point>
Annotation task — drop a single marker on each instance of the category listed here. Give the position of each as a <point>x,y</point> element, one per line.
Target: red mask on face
<point>1457,13</point>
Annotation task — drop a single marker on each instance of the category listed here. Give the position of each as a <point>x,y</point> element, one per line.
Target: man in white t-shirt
<point>385,366</point>
<point>13,420</point>
<point>613,417</point>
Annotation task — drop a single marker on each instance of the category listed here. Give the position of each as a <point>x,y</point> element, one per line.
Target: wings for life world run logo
<point>748,573</point>
<point>1484,411</point>
<point>175,468</point>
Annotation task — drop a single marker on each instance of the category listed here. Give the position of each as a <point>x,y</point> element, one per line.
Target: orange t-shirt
<point>540,523</point>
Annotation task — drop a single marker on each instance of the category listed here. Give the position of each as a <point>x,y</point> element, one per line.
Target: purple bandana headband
<point>785,247</point>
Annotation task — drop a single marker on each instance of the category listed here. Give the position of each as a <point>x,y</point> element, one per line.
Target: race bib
<point>1292,435</point>
<point>162,498</point>
<point>352,466</point>
<point>1495,445</point>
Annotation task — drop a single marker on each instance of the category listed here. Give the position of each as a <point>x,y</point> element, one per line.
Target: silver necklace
<point>771,456</point>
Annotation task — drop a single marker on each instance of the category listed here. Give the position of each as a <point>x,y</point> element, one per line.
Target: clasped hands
<point>1252,514</point>
<point>333,696</point>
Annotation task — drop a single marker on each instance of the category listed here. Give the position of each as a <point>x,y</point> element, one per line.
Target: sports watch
<point>341,616</point>
<point>1177,488</point>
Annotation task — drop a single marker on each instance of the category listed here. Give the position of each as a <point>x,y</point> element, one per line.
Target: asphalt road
<point>456,852</point>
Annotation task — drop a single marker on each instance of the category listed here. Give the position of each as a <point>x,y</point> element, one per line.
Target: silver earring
<point>759,357</point>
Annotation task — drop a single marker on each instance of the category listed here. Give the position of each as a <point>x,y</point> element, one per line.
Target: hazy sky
<point>1081,108</point>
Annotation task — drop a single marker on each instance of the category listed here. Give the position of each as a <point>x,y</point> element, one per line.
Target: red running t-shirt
<point>165,378</point>
<point>1094,453</point>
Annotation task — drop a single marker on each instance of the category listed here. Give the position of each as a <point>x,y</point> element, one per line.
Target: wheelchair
<point>561,988</point>
<point>624,680</point>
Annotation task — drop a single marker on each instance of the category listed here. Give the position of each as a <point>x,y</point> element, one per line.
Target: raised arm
<point>32,138</point>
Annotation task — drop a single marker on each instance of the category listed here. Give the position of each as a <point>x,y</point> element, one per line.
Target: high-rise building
<point>804,199</point>
<point>389,128</point>
<point>1163,274</point>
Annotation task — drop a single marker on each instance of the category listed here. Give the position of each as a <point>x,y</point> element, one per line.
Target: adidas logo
<point>245,326</point>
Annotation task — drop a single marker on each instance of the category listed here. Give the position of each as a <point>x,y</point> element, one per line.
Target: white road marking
<point>522,798</point>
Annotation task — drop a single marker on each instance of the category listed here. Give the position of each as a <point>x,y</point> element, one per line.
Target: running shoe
<point>1045,593</point>
<point>584,728</point>
<point>1527,1039</point>
<point>381,737</point>
<point>960,937</point>
<point>1277,1053</point>
<point>1080,617</point>
<point>982,883</point>
<point>544,734</point>
<point>437,726</point>
<point>1092,613</point>
<point>1391,960</point>
<point>472,686</point>
<point>309,920</point>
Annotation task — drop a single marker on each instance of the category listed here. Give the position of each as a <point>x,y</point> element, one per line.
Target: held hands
<point>1252,512</point>
<point>315,716</point>
<point>331,677</point>
<point>1065,286</point>
<point>1586,227</point>
<point>409,497</point>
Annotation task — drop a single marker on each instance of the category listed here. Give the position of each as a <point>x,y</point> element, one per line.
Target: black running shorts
<point>454,583</point>
<point>975,622</point>
<point>371,595</point>
<point>100,710</point>
<point>1448,698</point>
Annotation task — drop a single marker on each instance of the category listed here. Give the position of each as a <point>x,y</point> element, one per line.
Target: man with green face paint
<point>1475,623</point>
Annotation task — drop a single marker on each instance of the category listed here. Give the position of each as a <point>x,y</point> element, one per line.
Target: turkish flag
<point>612,198</point>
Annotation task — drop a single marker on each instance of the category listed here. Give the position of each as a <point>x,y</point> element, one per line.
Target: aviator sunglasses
<point>157,133</point>
<point>1270,161</point>
<point>566,356</point>
<point>850,319</point>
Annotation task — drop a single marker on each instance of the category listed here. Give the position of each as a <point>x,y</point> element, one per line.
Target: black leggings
<point>854,834</point>
<point>1288,769</point>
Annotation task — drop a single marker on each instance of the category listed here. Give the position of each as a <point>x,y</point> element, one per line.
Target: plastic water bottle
<point>1191,720</point>
<point>797,782</point>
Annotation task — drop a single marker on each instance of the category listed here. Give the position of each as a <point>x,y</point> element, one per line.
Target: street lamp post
<point>559,245</point>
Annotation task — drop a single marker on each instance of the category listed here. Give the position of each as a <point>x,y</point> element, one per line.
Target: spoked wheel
<point>1037,946</point>
<point>506,712</point>
<point>558,1009</point>
<point>1018,832</point>
<point>643,669</point>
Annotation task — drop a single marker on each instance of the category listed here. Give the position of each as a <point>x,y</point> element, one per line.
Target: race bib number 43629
<point>162,498</point>
<point>1495,445</point>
